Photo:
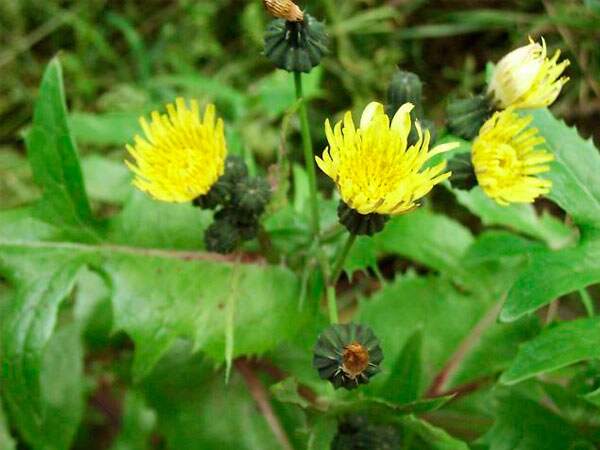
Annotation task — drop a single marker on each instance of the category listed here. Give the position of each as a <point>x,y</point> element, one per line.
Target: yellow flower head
<point>181,156</point>
<point>374,168</point>
<point>527,78</point>
<point>506,158</point>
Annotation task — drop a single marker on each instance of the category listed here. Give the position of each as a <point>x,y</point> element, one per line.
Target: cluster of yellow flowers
<point>507,155</point>
<point>373,166</point>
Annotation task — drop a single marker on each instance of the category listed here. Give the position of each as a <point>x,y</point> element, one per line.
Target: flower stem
<point>309,157</point>
<point>339,265</point>
<point>332,305</point>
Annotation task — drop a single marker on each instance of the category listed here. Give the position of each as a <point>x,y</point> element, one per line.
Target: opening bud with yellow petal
<point>374,167</point>
<point>527,78</point>
<point>284,9</point>
<point>507,159</point>
<point>181,155</point>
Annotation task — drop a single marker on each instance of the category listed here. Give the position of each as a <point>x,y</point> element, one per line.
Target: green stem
<point>332,305</point>
<point>587,301</point>
<point>309,156</point>
<point>339,265</point>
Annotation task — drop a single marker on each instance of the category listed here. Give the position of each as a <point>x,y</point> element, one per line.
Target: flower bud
<point>463,174</point>
<point>253,194</point>
<point>360,224</point>
<point>222,192</point>
<point>296,46</point>
<point>221,237</point>
<point>347,355</point>
<point>466,116</point>
<point>526,78</point>
<point>405,87</point>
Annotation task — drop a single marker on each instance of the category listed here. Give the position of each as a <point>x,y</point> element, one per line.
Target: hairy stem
<point>309,157</point>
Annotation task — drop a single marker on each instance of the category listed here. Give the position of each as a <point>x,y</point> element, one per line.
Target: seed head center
<point>356,359</point>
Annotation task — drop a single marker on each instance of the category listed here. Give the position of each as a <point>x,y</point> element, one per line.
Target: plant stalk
<point>309,157</point>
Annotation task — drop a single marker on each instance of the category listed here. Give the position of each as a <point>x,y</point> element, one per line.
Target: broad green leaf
<point>106,180</point>
<point>189,397</point>
<point>44,403</point>
<point>574,174</point>
<point>551,274</point>
<point>495,245</point>
<point>522,424</point>
<point>322,433</point>
<point>21,225</point>
<point>6,440</point>
<point>144,222</point>
<point>115,129</point>
<point>431,239</point>
<point>435,438</point>
<point>54,161</point>
<point>276,91</point>
<point>556,347</point>
<point>521,218</point>
<point>138,423</point>
<point>404,383</point>
<point>430,304</point>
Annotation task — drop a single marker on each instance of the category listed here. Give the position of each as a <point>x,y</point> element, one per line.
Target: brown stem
<point>467,388</point>
<point>259,393</point>
<point>439,382</point>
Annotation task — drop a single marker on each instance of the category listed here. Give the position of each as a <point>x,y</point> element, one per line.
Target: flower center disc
<point>356,359</point>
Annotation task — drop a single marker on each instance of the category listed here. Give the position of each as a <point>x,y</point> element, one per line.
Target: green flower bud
<point>246,223</point>
<point>253,194</point>
<point>463,174</point>
<point>296,46</point>
<point>222,192</point>
<point>466,116</point>
<point>347,355</point>
<point>405,87</point>
<point>222,237</point>
<point>357,433</point>
<point>360,224</point>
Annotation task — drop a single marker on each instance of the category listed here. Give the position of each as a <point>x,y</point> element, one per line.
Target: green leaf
<point>523,424</point>
<point>521,218</point>
<point>551,274</point>
<point>575,171</point>
<point>362,255</point>
<point>115,129</point>
<point>322,433</point>
<point>436,438</point>
<point>287,391</point>
<point>276,91</point>
<point>6,441</point>
<point>429,238</point>
<point>379,406</point>
<point>138,423</point>
<point>54,161</point>
<point>107,180</point>
<point>404,383</point>
<point>41,387</point>
<point>556,347</point>
<point>430,304</point>
<point>188,397</point>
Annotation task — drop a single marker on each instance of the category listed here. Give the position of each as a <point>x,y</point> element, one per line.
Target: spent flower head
<point>181,155</point>
<point>374,168</point>
<point>507,159</point>
<point>527,78</point>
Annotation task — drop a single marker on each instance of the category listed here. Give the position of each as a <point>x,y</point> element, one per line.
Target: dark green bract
<point>360,224</point>
<point>463,175</point>
<point>296,46</point>
<point>466,116</point>
<point>328,356</point>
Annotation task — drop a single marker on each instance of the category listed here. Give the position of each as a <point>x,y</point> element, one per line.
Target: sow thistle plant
<point>235,303</point>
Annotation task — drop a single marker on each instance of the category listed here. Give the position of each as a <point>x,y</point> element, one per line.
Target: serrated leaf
<point>54,161</point>
<point>575,171</point>
<point>521,218</point>
<point>551,274</point>
<point>556,347</point>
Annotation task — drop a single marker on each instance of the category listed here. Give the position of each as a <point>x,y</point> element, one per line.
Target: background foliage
<point>113,320</point>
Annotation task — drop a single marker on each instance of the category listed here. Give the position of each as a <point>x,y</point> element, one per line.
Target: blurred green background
<point>124,58</point>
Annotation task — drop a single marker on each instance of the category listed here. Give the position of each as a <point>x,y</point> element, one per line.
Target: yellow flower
<point>374,168</point>
<point>506,158</point>
<point>526,78</point>
<point>181,156</point>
